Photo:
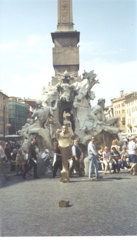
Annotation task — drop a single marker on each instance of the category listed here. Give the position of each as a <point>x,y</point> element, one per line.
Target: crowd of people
<point>119,157</point>
<point>111,160</point>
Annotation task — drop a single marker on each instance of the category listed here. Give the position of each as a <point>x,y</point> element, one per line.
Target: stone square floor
<point>96,208</point>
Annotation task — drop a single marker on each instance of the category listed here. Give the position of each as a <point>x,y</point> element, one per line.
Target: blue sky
<point>108,45</point>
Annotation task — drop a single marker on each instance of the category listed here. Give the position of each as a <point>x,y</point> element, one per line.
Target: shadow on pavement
<point>114,178</point>
<point>14,179</point>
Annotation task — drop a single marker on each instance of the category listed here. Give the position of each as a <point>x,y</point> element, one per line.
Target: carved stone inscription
<point>65,11</point>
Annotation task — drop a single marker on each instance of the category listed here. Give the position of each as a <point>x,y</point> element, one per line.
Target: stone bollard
<point>86,166</point>
<point>40,167</point>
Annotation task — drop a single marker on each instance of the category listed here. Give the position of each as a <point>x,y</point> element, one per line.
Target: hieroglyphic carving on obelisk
<point>65,21</point>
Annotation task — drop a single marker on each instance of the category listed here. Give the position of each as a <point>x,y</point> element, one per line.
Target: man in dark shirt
<point>58,162</point>
<point>33,159</point>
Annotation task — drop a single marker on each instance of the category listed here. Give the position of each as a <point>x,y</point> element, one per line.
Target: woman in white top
<point>106,159</point>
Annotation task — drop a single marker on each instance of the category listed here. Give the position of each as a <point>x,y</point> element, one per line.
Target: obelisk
<point>65,19</point>
<point>65,39</point>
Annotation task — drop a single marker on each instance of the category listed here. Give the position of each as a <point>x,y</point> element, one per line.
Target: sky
<point>108,45</point>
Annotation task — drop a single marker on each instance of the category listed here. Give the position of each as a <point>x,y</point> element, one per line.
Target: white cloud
<point>30,86</point>
<point>33,40</point>
<point>6,47</point>
<point>91,47</point>
<point>99,50</point>
<point>31,44</point>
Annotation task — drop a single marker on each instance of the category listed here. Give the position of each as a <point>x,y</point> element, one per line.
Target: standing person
<point>33,159</point>
<point>13,160</point>
<point>58,162</point>
<point>20,161</point>
<point>81,162</point>
<point>8,155</point>
<point>76,153</point>
<point>132,150</point>
<point>92,155</point>
<point>46,158</point>
<point>70,160</point>
<point>2,162</point>
<point>27,162</point>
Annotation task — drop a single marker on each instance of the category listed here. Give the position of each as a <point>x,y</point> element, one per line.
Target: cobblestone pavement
<point>107,207</point>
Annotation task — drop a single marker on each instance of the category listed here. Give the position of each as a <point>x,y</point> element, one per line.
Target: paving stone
<point>96,208</point>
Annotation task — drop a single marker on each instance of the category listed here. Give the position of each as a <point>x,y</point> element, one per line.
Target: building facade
<point>18,114</point>
<point>125,108</point>
<point>4,118</point>
<point>131,112</point>
<point>32,105</point>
